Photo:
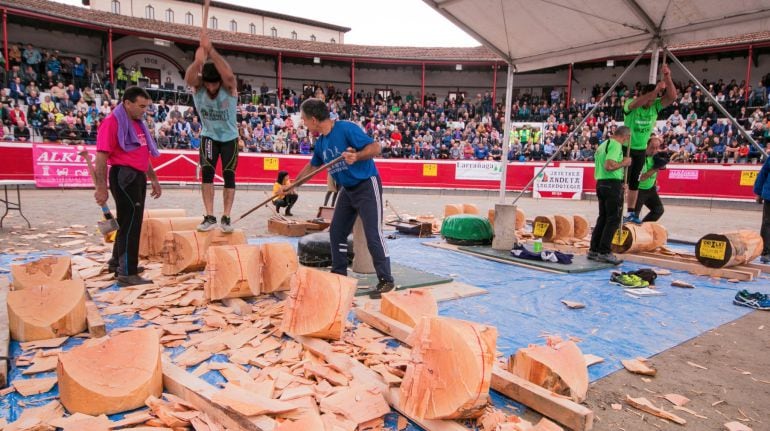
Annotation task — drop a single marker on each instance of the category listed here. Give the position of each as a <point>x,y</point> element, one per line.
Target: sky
<point>400,23</point>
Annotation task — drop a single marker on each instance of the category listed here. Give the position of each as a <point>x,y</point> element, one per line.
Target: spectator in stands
<point>79,73</point>
<point>21,132</point>
<point>89,135</point>
<point>53,65</point>
<point>50,132</point>
<point>69,135</point>
<point>17,90</point>
<point>32,57</point>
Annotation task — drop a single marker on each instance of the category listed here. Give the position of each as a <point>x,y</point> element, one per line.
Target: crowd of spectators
<point>455,128</point>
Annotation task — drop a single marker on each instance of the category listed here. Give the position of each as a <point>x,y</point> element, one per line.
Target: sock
<point>631,212</point>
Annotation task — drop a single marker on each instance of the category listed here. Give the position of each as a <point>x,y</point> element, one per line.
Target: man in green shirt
<point>648,190</point>
<point>608,171</point>
<point>640,115</point>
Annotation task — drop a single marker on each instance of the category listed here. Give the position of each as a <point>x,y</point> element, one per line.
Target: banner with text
<point>562,183</point>
<point>478,170</point>
<point>61,166</point>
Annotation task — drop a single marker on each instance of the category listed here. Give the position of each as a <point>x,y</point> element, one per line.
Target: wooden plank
<point>96,326</point>
<point>445,246</point>
<point>694,268</point>
<point>5,335</point>
<point>199,393</point>
<point>560,409</point>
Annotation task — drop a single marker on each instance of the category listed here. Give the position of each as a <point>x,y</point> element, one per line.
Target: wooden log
<point>636,238</point>
<point>723,250</point>
<point>155,230</point>
<point>470,209</point>
<point>560,368</point>
<point>185,251</point>
<point>409,306</point>
<point>521,219</point>
<point>659,235</point>
<point>165,213</point>
<point>491,216</point>
<point>111,375</point>
<point>42,271</point>
<point>452,209</point>
<point>233,271</point>
<point>544,227</point>
<point>582,227</point>
<point>565,226</point>
<point>318,304</point>
<point>279,264</point>
<point>47,311</point>
<point>5,334</point>
<point>442,350</point>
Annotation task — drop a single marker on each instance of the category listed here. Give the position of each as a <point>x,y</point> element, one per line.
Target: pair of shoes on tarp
<point>628,280</point>
<point>756,300</point>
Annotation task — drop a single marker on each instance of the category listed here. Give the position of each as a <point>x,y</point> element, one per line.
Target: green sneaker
<point>628,280</point>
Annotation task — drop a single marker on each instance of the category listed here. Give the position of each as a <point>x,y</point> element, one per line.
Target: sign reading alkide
<point>478,170</point>
<point>562,183</point>
<point>61,166</point>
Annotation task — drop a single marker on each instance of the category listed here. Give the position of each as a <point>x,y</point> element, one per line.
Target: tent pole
<point>719,106</point>
<point>587,116</point>
<point>654,64</point>
<point>506,132</point>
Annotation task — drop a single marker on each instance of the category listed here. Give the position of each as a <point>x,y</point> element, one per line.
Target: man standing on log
<point>648,187</point>
<point>215,95</point>
<point>640,115</point>
<point>360,189</point>
<point>125,143</point>
<point>608,171</point>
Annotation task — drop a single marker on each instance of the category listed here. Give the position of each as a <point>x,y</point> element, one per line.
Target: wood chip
<point>572,304</point>
<point>736,426</point>
<point>682,284</point>
<point>676,399</point>
<point>27,387</point>
<point>592,359</point>
<point>645,405</point>
<point>693,364</point>
<point>638,367</point>
<point>616,406</point>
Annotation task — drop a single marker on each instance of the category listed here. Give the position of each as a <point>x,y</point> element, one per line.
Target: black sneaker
<point>209,222</point>
<point>110,268</point>
<point>592,255</point>
<point>132,280</point>
<point>382,287</point>
<point>225,224</point>
<point>609,258</point>
<point>288,213</point>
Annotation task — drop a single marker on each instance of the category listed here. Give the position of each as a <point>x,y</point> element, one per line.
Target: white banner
<point>478,170</point>
<point>563,183</point>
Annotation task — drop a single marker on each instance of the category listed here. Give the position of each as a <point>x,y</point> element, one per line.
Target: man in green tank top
<point>215,95</point>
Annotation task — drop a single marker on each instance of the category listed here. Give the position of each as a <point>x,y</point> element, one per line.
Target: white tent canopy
<point>536,34</point>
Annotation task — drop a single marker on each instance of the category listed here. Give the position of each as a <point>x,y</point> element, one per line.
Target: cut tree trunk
<point>544,227</point>
<point>154,231</point>
<point>185,251</point>
<point>318,304</point>
<point>113,375</point>
<point>233,271</point>
<point>409,306</point>
<point>560,368</point>
<point>470,209</point>
<point>279,264</point>
<point>659,235</point>
<point>722,250</point>
<point>582,228</point>
<point>521,219</point>
<point>450,370</point>
<point>41,271</point>
<point>636,238</point>
<point>565,227</point>
<point>452,209</point>
<point>165,213</point>
<point>47,311</point>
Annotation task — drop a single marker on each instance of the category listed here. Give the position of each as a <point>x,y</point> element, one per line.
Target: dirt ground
<point>734,386</point>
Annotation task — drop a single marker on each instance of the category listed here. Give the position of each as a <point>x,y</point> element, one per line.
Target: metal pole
<point>569,85</point>
<point>721,109</point>
<point>112,63</point>
<point>506,132</point>
<point>579,126</point>
<point>748,75</point>
<point>654,64</point>
<point>352,81</point>
<point>494,86</point>
<point>5,39</point>
<point>279,96</point>
<point>422,85</point>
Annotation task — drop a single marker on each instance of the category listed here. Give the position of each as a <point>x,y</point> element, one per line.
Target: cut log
<point>544,227</point>
<point>409,306</point>
<point>233,271</point>
<point>165,213</point>
<point>521,218</point>
<point>47,311</point>
<point>582,227</point>
<point>470,209</point>
<point>491,216</point>
<point>723,250</point>
<point>442,350</point>
<point>112,375</point>
<point>565,227</point>
<point>279,264</point>
<point>638,238</point>
<point>155,230</point>
<point>645,405</point>
<point>318,304</point>
<point>560,368</point>
<point>185,251</point>
<point>452,209</point>
<point>659,235</point>
<point>41,271</point>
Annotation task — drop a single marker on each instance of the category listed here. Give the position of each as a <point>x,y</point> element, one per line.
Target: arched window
<point>294,35</point>
<point>115,6</point>
<point>149,12</point>
<point>252,28</point>
<point>189,18</point>
<point>233,25</point>
<point>169,15</point>
<point>334,40</point>
<point>213,23</point>
<point>274,32</point>
<point>312,37</point>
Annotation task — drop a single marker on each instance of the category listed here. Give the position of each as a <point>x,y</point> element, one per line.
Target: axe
<point>109,225</point>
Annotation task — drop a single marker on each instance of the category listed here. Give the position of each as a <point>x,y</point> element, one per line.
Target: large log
<point>452,209</point>
<point>47,311</point>
<point>470,209</point>
<point>521,219</point>
<point>279,264</point>
<point>185,251</point>
<point>442,350</point>
<point>112,375</point>
<point>565,227</point>
<point>582,228</point>
<point>659,235</point>
<point>42,271</point>
<point>722,250</point>
<point>165,213</point>
<point>233,271</point>
<point>318,304</point>
<point>560,368</point>
<point>409,306</point>
<point>544,227</point>
<point>154,231</point>
<point>636,238</point>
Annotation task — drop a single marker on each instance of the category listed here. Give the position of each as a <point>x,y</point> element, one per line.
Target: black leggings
<point>651,200</point>
<point>288,201</point>
<point>210,152</point>
<point>129,189</point>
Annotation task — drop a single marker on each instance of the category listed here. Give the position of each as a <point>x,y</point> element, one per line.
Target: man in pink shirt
<point>125,144</point>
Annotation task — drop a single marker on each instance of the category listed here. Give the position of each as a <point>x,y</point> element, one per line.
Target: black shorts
<point>211,151</point>
<point>635,170</point>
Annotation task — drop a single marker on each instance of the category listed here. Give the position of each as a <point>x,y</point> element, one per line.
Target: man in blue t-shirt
<point>360,187</point>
